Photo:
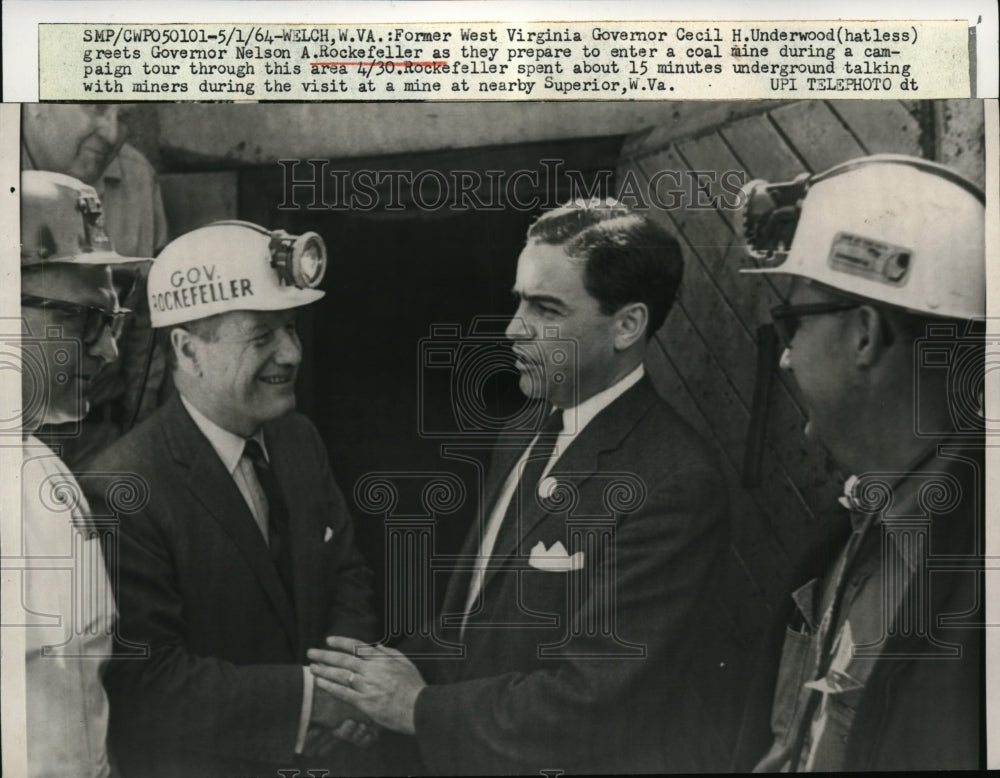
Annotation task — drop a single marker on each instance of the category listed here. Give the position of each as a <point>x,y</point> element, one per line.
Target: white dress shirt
<point>70,610</point>
<point>574,421</point>
<point>229,447</point>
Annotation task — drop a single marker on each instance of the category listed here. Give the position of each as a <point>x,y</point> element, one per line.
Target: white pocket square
<point>328,534</point>
<point>555,559</point>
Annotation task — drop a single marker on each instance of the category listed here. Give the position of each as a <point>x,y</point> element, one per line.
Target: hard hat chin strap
<point>768,351</point>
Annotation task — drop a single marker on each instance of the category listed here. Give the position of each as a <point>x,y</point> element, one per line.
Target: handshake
<point>359,693</point>
<point>333,722</point>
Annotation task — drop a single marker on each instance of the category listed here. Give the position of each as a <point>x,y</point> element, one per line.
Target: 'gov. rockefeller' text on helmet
<point>893,229</point>
<point>231,266</point>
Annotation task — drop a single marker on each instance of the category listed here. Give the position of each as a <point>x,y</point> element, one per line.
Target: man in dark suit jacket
<point>242,555</point>
<point>578,595</point>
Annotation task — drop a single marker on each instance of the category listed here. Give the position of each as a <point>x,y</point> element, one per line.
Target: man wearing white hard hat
<point>244,556</point>
<point>70,321</point>
<point>878,665</point>
<point>88,142</point>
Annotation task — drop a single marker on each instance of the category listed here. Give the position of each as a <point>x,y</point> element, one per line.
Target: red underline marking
<point>380,62</point>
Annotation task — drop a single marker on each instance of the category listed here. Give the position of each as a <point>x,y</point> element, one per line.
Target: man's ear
<point>630,325</point>
<point>185,348</point>
<point>869,336</point>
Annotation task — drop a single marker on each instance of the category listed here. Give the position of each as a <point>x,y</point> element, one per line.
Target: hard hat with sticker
<point>897,230</point>
<point>62,221</point>
<point>231,266</point>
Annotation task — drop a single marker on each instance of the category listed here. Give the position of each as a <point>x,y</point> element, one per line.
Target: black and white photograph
<point>502,438</point>
<point>389,394</point>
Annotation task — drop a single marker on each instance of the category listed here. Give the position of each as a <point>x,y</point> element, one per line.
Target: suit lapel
<point>215,489</point>
<point>580,461</point>
<point>504,458</point>
<point>304,545</point>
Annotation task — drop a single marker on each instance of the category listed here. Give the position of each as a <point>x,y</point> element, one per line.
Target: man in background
<point>878,665</point>
<point>88,143</point>
<point>70,316</point>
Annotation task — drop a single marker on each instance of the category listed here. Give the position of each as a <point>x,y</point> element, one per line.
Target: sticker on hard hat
<point>199,286</point>
<point>869,258</point>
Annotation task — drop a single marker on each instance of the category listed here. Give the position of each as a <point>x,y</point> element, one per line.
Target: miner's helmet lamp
<point>299,259</point>
<point>893,229</point>
<point>234,265</point>
<point>62,221</point>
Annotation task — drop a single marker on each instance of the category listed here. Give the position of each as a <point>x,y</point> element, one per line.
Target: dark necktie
<point>277,513</point>
<point>534,466</point>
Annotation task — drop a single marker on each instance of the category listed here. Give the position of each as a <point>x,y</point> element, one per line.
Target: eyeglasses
<point>786,317</point>
<point>94,319</point>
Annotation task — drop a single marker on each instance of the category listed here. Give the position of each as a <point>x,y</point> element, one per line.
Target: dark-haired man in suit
<point>578,596</point>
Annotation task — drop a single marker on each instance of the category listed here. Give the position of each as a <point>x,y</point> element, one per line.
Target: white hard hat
<point>893,229</point>
<point>62,221</point>
<point>232,266</point>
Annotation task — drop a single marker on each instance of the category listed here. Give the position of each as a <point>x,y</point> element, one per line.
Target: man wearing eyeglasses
<point>70,321</point>
<point>243,557</point>
<point>878,663</point>
<point>88,142</point>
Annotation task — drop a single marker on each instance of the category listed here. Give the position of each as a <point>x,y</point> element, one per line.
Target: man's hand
<point>358,733</point>
<point>323,742</point>
<point>383,685</point>
<point>334,720</point>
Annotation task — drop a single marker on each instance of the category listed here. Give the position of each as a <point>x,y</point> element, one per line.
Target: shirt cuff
<point>307,706</point>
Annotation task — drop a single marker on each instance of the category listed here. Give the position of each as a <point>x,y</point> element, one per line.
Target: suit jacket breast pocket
<point>554,591</point>
<point>792,672</point>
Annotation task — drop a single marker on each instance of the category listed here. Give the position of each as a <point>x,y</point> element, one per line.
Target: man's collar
<point>896,482</point>
<point>903,487</point>
<point>578,417</point>
<point>228,445</point>
<point>114,170</point>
